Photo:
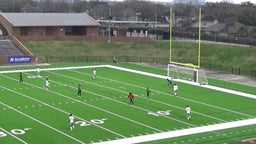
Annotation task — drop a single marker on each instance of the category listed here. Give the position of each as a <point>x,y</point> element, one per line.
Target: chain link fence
<point>149,60</point>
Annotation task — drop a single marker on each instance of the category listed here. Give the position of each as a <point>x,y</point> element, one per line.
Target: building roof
<point>50,19</point>
<point>218,27</point>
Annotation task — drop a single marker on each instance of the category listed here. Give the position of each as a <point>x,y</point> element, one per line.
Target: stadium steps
<point>7,48</point>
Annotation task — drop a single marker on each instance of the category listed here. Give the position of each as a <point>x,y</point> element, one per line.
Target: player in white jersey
<point>94,74</point>
<point>188,111</point>
<point>47,83</point>
<point>175,89</point>
<point>71,122</point>
<point>38,72</point>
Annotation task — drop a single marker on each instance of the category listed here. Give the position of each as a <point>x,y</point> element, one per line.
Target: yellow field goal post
<point>187,71</point>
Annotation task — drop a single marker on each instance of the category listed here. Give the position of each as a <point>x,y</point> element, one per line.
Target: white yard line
<point>189,131</point>
<point>166,94</point>
<point>138,72</point>
<point>180,98</point>
<point>22,141</point>
<point>114,114</point>
<point>121,102</point>
<point>177,133</point>
<point>109,112</point>
<point>34,119</point>
<point>187,82</point>
<point>51,69</point>
<point>184,132</point>
<point>125,92</point>
<point>196,84</point>
<point>48,105</point>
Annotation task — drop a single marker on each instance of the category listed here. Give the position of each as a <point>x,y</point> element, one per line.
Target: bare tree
<point>79,6</point>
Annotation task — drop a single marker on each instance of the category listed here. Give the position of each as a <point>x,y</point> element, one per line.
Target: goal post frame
<point>198,74</point>
<point>199,42</point>
<point>186,73</point>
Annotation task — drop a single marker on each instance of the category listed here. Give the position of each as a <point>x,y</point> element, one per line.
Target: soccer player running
<point>79,90</point>
<point>38,72</point>
<point>131,97</point>
<point>188,111</point>
<point>94,74</point>
<point>21,79</point>
<point>47,83</point>
<point>175,89</point>
<point>71,122</point>
<point>148,92</point>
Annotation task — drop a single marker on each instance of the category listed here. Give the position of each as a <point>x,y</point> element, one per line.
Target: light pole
<point>109,25</point>
<point>12,6</point>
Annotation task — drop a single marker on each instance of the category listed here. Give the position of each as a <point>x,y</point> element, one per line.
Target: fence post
<point>253,73</point>
<point>46,58</point>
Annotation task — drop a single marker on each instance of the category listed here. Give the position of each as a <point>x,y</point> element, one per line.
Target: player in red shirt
<point>131,97</point>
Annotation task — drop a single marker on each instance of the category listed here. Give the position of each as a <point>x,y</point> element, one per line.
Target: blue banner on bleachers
<point>19,59</point>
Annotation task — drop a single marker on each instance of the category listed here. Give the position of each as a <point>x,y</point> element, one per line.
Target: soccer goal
<point>187,73</point>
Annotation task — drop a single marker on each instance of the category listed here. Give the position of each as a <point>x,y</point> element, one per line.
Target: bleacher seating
<point>7,48</point>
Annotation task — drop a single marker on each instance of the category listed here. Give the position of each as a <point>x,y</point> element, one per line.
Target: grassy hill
<point>215,54</point>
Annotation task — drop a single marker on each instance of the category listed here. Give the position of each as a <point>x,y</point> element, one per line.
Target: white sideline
<point>171,134</point>
<point>184,132</point>
<point>139,72</point>
<point>187,82</point>
<point>49,69</point>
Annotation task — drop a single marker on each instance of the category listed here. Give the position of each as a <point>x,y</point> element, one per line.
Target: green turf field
<point>31,114</point>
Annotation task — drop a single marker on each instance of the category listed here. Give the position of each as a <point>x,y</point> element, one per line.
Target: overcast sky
<point>234,1</point>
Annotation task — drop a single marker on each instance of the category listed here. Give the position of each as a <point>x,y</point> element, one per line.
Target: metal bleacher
<point>7,48</point>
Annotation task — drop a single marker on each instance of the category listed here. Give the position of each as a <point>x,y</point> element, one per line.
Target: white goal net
<point>187,73</point>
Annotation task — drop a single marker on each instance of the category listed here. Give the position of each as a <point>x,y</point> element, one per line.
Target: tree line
<point>145,10</point>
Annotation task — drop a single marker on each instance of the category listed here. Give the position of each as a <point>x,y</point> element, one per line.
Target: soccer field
<point>31,114</point>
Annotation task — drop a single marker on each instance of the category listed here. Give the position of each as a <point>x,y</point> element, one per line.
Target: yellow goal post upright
<point>187,71</point>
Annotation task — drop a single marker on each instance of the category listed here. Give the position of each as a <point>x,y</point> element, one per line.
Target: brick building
<point>48,26</point>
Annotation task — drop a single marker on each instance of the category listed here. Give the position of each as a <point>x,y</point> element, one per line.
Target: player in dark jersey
<point>131,97</point>
<point>79,90</point>
<point>169,81</point>
<point>21,79</point>
<point>148,92</point>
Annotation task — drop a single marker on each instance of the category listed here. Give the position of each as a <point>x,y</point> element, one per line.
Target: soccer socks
<point>72,128</point>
